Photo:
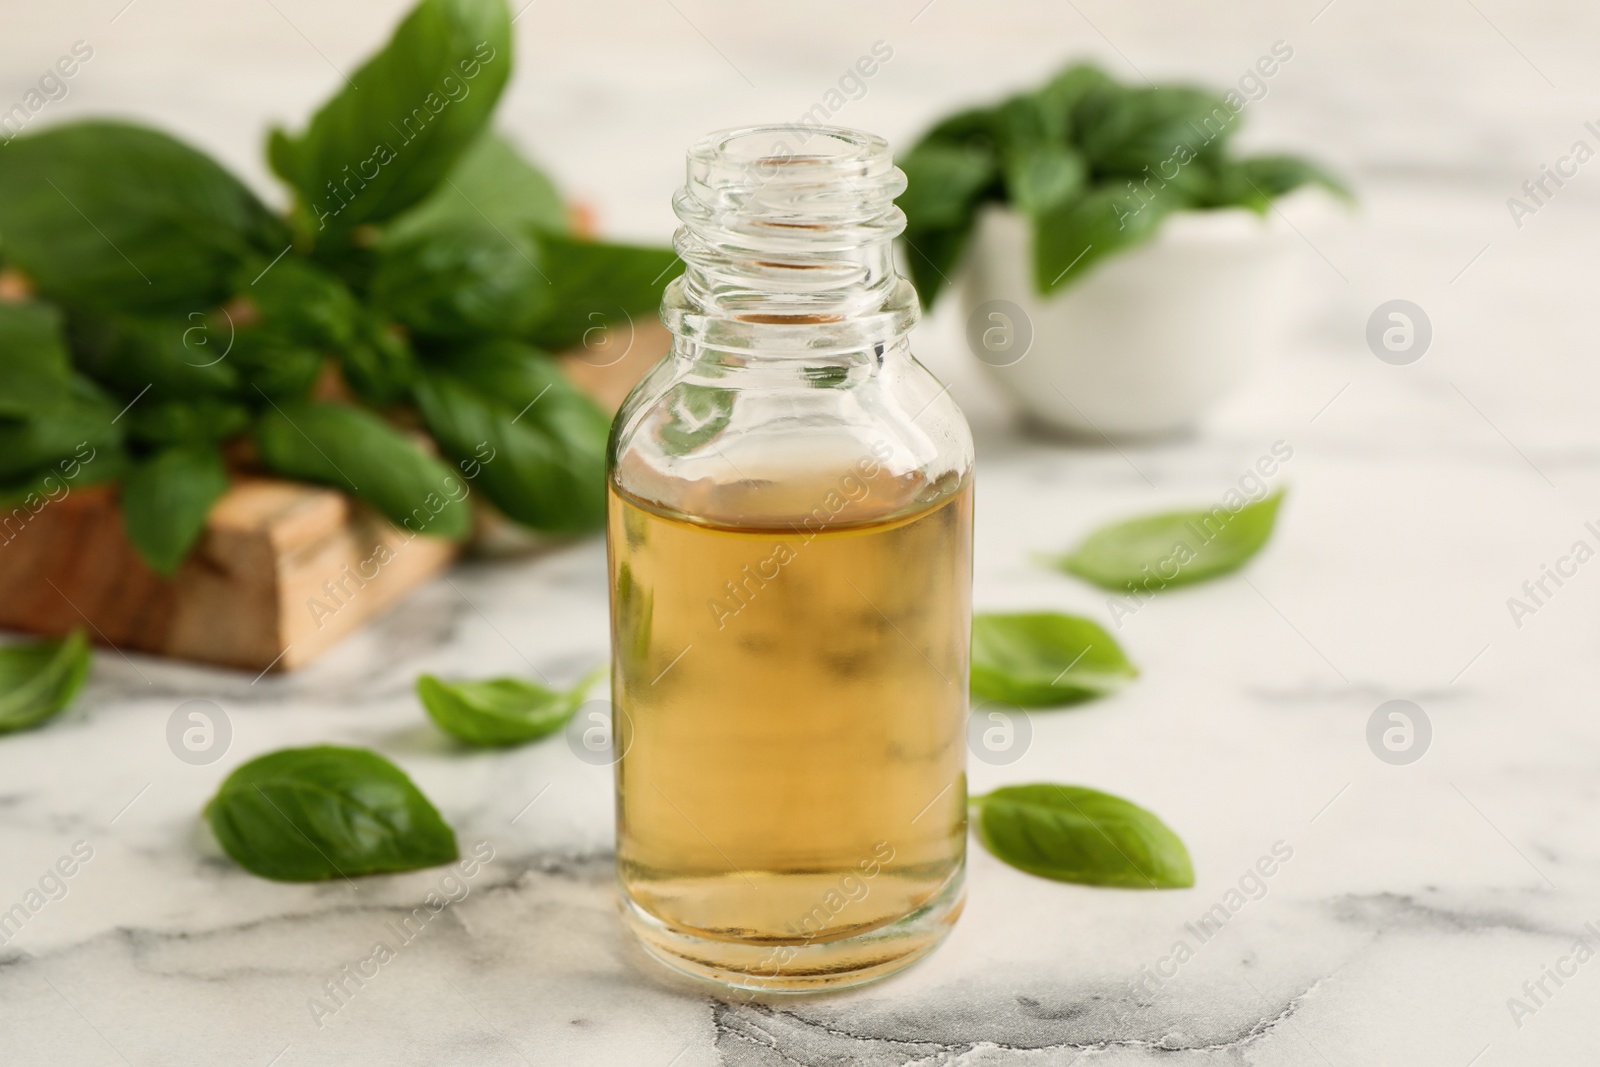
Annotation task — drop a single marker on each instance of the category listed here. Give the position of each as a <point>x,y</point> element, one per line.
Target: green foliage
<point>1096,166</point>
<point>1044,659</point>
<point>38,679</point>
<point>1070,833</point>
<point>1172,549</point>
<point>312,814</point>
<point>500,711</point>
<point>423,254</point>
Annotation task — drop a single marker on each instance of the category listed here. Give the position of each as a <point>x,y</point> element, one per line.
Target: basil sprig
<point>1071,833</point>
<point>1172,549</point>
<point>1045,659</point>
<point>1095,166</point>
<point>311,814</point>
<point>500,711</point>
<point>40,678</point>
<point>179,316</point>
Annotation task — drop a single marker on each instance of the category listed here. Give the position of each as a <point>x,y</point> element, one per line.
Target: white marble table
<point>1418,898</point>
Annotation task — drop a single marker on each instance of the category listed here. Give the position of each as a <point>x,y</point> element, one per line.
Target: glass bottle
<point>789,536</point>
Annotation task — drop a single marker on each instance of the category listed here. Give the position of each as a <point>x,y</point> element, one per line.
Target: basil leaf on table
<point>388,138</point>
<point>311,814</point>
<point>595,283</point>
<point>165,500</point>
<point>536,442</point>
<point>1173,549</point>
<point>1070,833</point>
<point>500,711</point>
<point>355,450</point>
<point>1044,659</point>
<point>491,183</point>
<point>40,678</point>
<point>35,373</point>
<point>116,217</point>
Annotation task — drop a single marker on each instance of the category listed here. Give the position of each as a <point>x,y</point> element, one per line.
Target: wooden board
<point>281,573</point>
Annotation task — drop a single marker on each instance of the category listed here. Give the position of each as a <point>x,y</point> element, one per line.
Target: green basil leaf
<point>1173,549</point>
<point>173,357</point>
<point>1073,834</point>
<point>114,217</point>
<point>165,500</point>
<point>500,711</point>
<point>594,283</point>
<point>524,435</point>
<point>943,183</point>
<point>1070,239</point>
<point>35,373</point>
<point>1126,130</point>
<point>202,420</point>
<point>84,430</point>
<point>311,814</point>
<point>1069,94</point>
<point>491,184</point>
<point>387,139</point>
<point>1044,659</point>
<point>471,280</point>
<point>40,678</point>
<point>1042,178</point>
<point>355,450</point>
<point>1258,180</point>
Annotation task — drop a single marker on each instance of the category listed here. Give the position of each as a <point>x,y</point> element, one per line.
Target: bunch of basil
<point>423,260</point>
<point>1094,165</point>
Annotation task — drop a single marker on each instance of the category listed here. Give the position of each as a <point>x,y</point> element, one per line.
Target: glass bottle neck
<point>787,242</point>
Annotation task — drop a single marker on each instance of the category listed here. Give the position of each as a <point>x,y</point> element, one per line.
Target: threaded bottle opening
<point>788,226</point>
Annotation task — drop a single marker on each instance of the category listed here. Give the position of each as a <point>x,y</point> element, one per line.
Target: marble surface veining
<point>1418,900</point>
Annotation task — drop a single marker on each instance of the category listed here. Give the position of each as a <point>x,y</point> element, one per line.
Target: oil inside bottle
<point>790,694</point>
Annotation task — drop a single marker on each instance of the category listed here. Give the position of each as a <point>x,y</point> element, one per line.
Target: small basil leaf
<point>1044,660</point>
<point>500,711</point>
<point>1173,549</point>
<point>491,183</point>
<point>1125,130</point>
<point>387,139</point>
<point>535,445</point>
<point>115,217</point>
<point>1257,181</point>
<point>1073,834</point>
<point>1061,98</point>
<point>592,284</point>
<point>38,679</point>
<point>1080,232</point>
<point>311,814</point>
<point>274,363</point>
<point>165,500</point>
<point>943,183</point>
<point>35,372</point>
<point>1044,177</point>
<point>354,450</point>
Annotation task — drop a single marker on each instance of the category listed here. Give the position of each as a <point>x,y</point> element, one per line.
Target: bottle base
<point>801,968</point>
